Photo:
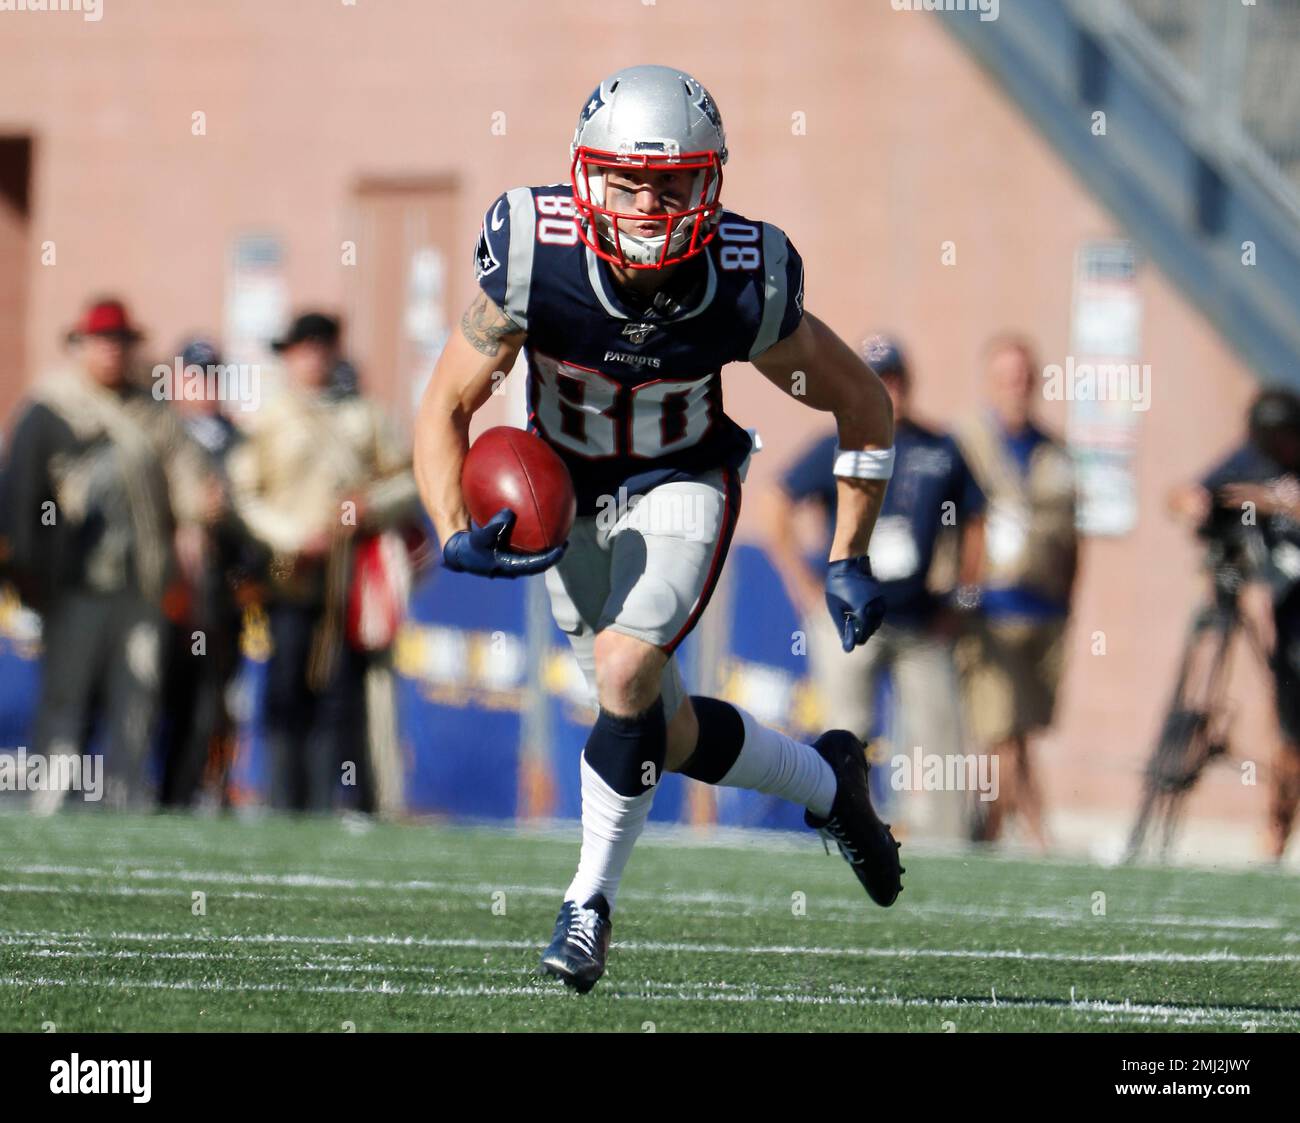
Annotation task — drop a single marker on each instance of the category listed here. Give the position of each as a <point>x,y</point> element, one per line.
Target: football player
<point>628,289</point>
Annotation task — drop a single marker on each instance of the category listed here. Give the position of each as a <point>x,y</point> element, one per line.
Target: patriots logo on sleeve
<point>485,261</point>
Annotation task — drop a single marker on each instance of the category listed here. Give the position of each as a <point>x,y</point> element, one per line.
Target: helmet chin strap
<point>639,250</point>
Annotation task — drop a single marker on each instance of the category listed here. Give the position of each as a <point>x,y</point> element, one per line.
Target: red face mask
<point>607,241</point>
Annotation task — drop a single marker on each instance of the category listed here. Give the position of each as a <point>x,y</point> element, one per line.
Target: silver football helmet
<point>648,117</point>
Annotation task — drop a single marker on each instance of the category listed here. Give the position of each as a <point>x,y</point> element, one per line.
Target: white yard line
<point>177,891</point>
<point>1188,929</point>
<point>1109,1010</point>
<point>40,938</point>
<point>849,905</point>
<point>405,844</point>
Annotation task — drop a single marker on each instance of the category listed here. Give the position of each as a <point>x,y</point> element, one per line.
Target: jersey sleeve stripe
<point>774,289</point>
<point>519,264</point>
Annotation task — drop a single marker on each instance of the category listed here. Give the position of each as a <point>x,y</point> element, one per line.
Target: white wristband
<point>865,464</point>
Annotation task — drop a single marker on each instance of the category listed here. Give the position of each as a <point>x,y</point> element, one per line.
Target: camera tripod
<point>1195,728</point>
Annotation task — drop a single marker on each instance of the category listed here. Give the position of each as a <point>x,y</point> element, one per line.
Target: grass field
<point>319,926</point>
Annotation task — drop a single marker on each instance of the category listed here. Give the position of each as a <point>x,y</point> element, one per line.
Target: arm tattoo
<point>485,325</point>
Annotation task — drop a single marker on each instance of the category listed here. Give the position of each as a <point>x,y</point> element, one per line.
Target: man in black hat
<point>319,473</point>
<point>98,479</point>
<point>310,349</point>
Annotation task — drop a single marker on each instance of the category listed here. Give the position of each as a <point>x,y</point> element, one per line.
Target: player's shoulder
<point>518,204</point>
<point>528,234</point>
<point>762,249</point>
<point>536,189</point>
<point>539,214</point>
<point>734,228</point>
<point>728,214</point>
<point>759,266</point>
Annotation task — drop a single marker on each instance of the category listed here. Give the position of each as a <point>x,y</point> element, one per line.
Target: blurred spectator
<point>931,490</point>
<point>218,561</point>
<point>1012,658</point>
<point>1249,506</point>
<point>99,475</point>
<point>319,480</point>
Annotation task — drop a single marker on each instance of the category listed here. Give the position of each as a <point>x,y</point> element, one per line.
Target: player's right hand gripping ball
<point>485,550</point>
<point>856,600</point>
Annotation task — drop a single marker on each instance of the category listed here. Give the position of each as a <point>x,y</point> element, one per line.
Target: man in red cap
<point>99,475</point>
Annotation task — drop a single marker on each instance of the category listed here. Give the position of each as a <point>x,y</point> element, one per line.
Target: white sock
<point>771,762</point>
<point>611,824</point>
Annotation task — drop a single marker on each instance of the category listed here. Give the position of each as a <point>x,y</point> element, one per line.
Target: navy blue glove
<point>856,601</point>
<point>485,550</point>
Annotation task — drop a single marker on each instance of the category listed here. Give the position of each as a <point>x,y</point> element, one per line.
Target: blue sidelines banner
<point>462,663</point>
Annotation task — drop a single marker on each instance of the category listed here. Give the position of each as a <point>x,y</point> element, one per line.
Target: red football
<point>508,467</point>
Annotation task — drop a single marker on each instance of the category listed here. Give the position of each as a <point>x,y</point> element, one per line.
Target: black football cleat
<point>863,840</point>
<point>577,951</point>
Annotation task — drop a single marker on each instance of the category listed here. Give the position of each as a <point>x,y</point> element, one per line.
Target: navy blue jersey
<point>929,471</point>
<point>630,394</point>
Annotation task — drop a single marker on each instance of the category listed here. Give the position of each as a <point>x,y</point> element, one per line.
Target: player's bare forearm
<point>472,364</point>
<point>857,507</point>
<point>814,366</point>
<point>441,442</point>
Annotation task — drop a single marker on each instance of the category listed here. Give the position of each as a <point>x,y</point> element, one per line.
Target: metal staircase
<point>1200,157</point>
